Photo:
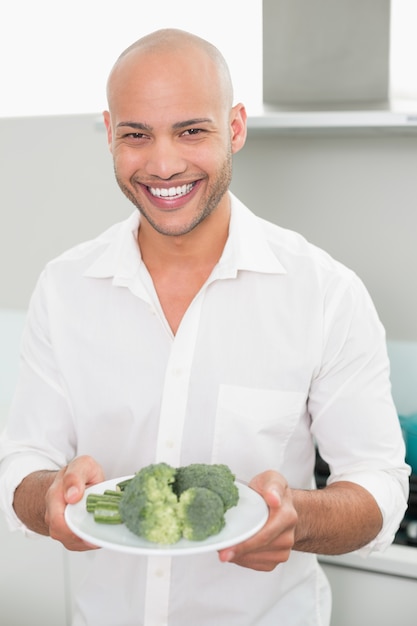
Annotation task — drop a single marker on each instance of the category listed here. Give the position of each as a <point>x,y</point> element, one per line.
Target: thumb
<point>80,473</point>
<point>272,496</point>
<point>73,494</point>
<point>271,486</point>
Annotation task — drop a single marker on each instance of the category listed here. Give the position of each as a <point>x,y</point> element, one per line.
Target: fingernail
<point>277,494</point>
<point>72,492</point>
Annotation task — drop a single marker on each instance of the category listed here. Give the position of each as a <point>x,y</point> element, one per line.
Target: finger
<point>271,486</point>
<point>80,473</point>
<point>55,517</point>
<point>253,543</point>
<point>273,498</point>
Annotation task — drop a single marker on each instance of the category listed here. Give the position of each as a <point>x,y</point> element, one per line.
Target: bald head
<point>172,131</point>
<point>170,41</point>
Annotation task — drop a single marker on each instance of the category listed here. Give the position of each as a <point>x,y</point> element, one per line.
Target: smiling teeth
<point>172,192</point>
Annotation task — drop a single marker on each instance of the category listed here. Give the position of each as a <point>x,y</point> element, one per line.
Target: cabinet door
<point>363,598</point>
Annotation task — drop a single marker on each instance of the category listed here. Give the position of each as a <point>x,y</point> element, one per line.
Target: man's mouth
<point>171,192</point>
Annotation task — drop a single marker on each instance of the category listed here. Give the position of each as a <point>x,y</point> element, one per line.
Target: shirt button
<point>170,443</point>
<point>159,573</point>
<point>177,371</point>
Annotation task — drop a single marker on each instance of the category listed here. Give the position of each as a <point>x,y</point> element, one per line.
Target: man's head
<point>172,128</point>
<point>173,41</point>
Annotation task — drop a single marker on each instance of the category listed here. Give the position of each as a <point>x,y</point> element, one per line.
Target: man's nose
<point>164,159</point>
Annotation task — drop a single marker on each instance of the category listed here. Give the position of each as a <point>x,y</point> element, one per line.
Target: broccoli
<point>163,504</point>
<point>149,507</point>
<point>218,478</point>
<point>202,513</point>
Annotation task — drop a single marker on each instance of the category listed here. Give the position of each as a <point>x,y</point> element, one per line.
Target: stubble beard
<point>215,193</point>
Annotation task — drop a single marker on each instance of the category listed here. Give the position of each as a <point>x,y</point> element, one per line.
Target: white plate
<point>242,521</point>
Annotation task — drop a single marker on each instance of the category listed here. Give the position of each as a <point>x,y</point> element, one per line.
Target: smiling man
<point>196,332</point>
<point>175,161</point>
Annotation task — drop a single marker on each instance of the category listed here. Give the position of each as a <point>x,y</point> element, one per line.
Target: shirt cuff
<point>391,494</point>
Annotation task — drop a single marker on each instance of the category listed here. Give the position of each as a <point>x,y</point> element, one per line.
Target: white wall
<point>57,189</point>
<point>56,55</point>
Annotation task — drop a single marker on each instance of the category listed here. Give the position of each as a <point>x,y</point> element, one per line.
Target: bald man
<point>211,336</point>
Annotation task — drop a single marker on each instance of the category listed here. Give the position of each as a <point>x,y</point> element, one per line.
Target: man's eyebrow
<point>193,122</point>
<point>135,125</point>
<point>177,126</point>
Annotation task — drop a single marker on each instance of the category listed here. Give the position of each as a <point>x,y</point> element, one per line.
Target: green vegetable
<point>113,492</point>
<point>95,498</point>
<point>201,512</point>
<point>106,510</point>
<point>163,504</point>
<point>217,478</point>
<point>149,507</point>
<point>121,486</point>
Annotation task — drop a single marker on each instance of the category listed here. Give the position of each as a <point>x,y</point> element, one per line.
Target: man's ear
<point>107,123</point>
<point>238,119</point>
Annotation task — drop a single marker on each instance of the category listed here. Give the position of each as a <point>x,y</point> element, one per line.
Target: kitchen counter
<point>397,560</point>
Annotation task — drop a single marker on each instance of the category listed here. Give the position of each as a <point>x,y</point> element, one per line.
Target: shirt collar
<point>247,248</point>
<point>121,257</point>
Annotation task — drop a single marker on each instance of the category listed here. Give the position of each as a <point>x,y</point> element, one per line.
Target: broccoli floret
<point>163,504</point>
<point>218,478</point>
<point>202,513</point>
<point>149,507</point>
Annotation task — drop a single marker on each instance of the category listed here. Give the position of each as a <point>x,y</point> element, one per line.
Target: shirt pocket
<point>253,427</point>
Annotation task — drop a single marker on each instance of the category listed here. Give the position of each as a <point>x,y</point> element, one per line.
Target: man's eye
<point>193,131</point>
<point>135,135</point>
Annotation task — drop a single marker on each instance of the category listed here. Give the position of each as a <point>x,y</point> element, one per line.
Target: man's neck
<point>202,246</point>
<point>179,266</point>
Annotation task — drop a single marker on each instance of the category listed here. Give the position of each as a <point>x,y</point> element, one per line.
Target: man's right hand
<point>41,498</point>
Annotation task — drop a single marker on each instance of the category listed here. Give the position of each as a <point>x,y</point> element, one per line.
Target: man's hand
<point>273,543</point>
<point>339,518</point>
<point>41,498</point>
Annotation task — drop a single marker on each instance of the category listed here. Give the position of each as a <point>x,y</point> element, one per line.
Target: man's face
<point>171,136</point>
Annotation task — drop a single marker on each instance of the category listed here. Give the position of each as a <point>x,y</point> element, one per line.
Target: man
<point>196,332</point>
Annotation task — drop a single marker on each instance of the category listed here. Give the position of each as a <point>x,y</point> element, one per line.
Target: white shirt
<point>280,349</point>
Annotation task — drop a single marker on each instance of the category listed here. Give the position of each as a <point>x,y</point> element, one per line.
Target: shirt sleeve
<point>39,434</point>
<point>355,422</point>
